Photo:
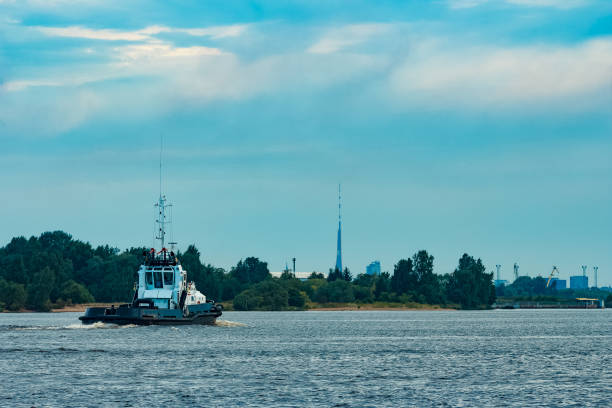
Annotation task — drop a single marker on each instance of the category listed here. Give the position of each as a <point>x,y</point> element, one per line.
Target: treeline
<point>54,270</point>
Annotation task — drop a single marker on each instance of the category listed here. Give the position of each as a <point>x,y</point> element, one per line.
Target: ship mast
<point>161,205</point>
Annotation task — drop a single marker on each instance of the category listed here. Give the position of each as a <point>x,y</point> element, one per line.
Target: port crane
<point>551,275</point>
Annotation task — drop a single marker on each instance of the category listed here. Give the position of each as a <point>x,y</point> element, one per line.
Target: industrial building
<point>373,268</point>
<point>499,281</point>
<point>579,282</point>
<point>303,276</point>
<point>558,284</point>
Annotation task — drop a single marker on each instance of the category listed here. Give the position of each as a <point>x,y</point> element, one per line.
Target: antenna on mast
<point>339,248</point>
<point>161,204</point>
<point>339,203</point>
<point>161,149</point>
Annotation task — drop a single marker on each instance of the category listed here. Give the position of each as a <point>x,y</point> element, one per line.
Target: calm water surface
<point>352,359</point>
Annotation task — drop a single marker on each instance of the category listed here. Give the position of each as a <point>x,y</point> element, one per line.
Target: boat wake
<point>227,323</point>
<point>99,325</point>
<point>76,326</point>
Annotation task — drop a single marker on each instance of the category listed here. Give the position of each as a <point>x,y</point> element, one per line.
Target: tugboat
<point>162,294</point>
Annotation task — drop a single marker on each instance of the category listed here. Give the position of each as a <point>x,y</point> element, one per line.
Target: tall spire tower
<point>339,252</point>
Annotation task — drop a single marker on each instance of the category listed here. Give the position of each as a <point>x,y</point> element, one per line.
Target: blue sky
<point>454,126</point>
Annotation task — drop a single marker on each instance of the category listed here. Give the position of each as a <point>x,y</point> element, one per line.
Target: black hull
<point>202,320</point>
<point>148,317</point>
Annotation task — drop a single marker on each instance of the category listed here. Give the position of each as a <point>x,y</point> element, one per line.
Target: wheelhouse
<point>161,279</point>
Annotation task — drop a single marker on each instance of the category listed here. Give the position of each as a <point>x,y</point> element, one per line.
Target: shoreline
<point>380,309</point>
<point>313,308</point>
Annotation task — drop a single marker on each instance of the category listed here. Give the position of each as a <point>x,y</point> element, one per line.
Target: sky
<point>455,126</point>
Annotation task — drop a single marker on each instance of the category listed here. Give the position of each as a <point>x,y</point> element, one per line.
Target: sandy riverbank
<point>323,307</point>
<point>349,308</point>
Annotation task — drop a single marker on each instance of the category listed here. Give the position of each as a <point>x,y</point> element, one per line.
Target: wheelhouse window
<point>168,278</point>
<point>157,277</point>
<point>149,278</point>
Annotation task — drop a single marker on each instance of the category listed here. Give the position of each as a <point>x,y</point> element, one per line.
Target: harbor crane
<point>551,275</point>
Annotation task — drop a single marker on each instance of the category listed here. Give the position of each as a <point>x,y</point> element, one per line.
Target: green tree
<point>12,268</point>
<point>336,291</point>
<point>346,275</point>
<point>316,275</point>
<point>428,284</point>
<point>40,289</point>
<point>265,295</point>
<point>363,279</point>
<point>76,293</point>
<point>334,274</point>
<point>12,295</point>
<point>469,285</point>
<point>190,260</point>
<point>404,278</point>
<point>363,294</point>
<point>251,270</point>
<point>295,297</point>
<point>247,300</point>
<point>382,286</point>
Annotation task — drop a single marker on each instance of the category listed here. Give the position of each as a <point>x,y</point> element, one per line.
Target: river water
<point>319,359</point>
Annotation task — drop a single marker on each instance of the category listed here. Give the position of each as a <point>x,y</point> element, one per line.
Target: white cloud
<point>104,34</point>
<point>12,86</point>
<point>342,37</point>
<point>145,34</point>
<point>506,76</point>
<point>463,4</point>
<point>159,77</point>
<point>560,4</point>
<point>163,50</point>
<point>425,71</point>
<point>216,32</point>
<point>49,114</point>
<point>72,79</point>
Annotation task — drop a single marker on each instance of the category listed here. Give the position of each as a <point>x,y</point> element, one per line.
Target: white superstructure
<point>161,279</point>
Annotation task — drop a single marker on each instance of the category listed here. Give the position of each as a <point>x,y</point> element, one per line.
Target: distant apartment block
<point>499,282</point>
<point>373,268</point>
<point>579,282</point>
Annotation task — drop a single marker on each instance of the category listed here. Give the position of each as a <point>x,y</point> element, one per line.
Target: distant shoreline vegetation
<point>55,270</point>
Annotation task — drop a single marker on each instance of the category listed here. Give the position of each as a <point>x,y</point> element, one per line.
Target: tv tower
<point>339,251</point>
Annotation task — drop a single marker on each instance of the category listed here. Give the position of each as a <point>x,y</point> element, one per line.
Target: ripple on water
<point>366,359</point>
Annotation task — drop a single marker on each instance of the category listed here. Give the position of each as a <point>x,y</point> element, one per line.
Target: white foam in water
<point>227,323</point>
